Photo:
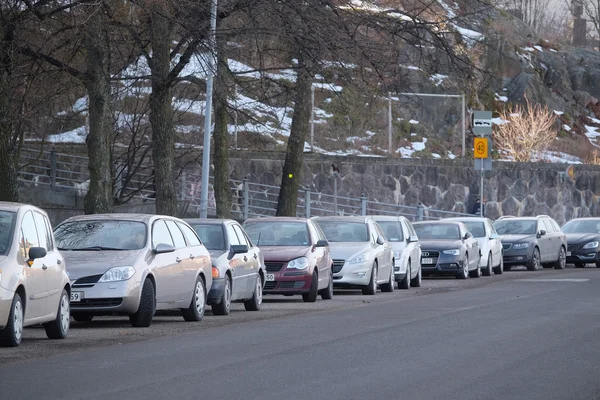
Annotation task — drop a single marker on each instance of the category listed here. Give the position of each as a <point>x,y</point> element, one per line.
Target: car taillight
<point>215,272</point>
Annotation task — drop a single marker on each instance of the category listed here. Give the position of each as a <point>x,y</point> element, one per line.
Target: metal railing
<point>69,173</point>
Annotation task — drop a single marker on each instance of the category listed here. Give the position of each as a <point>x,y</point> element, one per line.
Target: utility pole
<point>389,124</point>
<point>312,118</point>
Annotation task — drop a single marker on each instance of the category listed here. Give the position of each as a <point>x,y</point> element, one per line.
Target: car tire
<point>82,317</point>
<point>311,296</point>
<point>143,316</point>
<point>582,265</point>
<point>416,281</point>
<point>500,268</point>
<point>405,282</point>
<point>597,264</point>
<point>327,293</point>
<point>254,303</point>
<point>534,263</point>
<point>464,272</point>
<point>59,328</point>
<point>12,334</point>
<point>561,263</point>
<point>371,289</point>
<point>390,285</point>
<point>476,273</point>
<point>195,312</point>
<point>488,270</point>
<point>224,305</point>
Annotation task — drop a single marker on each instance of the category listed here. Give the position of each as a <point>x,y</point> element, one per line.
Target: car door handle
<point>44,267</point>
<point>178,259</point>
<point>255,256</point>
<point>58,262</point>
<point>192,256</point>
<point>245,258</point>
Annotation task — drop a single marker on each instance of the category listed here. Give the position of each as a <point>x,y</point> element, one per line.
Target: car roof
<point>208,221</point>
<point>439,221</point>
<point>387,217</point>
<point>286,219</point>
<point>352,218</point>
<point>8,206</point>
<point>118,217</point>
<point>461,219</point>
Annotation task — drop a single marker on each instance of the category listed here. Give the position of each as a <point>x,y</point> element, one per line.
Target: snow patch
<point>594,120</point>
<point>567,128</point>
<point>438,79</point>
<point>559,112</point>
<point>503,99</point>
<point>499,121</point>
<point>77,135</point>
<point>413,122</point>
<point>538,48</point>
<point>471,37</point>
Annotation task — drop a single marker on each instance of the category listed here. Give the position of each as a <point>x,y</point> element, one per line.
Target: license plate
<point>568,253</point>
<point>76,297</point>
<point>270,277</point>
<point>427,261</point>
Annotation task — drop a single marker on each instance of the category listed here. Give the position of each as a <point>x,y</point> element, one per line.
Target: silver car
<point>134,264</point>
<point>407,249</point>
<point>238,266</point>
<point>34,286</point>
<point>362,257</point>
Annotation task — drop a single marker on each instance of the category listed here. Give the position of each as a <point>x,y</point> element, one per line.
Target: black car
<point>583,238</point>
<point>448,248</point>
<point>532,241</point>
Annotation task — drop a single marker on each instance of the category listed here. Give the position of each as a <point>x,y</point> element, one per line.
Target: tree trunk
<point>292,167</point>
<point>99,198</point>
<point>221,135</point>
<point>161,114</point>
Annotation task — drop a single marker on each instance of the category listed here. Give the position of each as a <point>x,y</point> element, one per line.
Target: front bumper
<point>108,298</point>
<point>288,282</point>
<point>517,256</point>
<point>352,275</point>
<point>444,265</point>
<point>400,268</point>
<point>6,298</point>
<point>580,255</point>
<point>215,295</point>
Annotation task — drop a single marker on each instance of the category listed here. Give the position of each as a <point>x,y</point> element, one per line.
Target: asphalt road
<point>517,336</point>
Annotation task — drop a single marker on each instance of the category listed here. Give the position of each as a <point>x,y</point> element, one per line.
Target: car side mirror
<point>36,252</point>
<point>380,240</point>
<point>494,236</point>
<point>163,248</point>
<point>467,235</point>
<point>542,232</point>
<point>322,243</point>
<point>238,249</point>
<point>413,239</point>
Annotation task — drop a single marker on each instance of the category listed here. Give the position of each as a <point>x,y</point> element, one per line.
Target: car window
<point>378,231</point>
<point>411,230</point>
<point>41,230</point>
<point>29,237</point>
<point>211,235</point>
<point>160,234</point>
<point>240,235</point>
<point>555,224</point>
<point>477,228</point>
<point>103,234</point>
<point>232,236</point>
<point>392,230</point>
<point>189,234</point>
<point>7,221</point>
<point>319,231</point>
<point>548,225</point>
<point>176,234</point>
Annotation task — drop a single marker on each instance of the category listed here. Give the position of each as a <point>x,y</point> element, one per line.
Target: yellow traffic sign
<point>481,148</point>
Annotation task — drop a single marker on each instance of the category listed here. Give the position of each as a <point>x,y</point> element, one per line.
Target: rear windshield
<point>275,233</point>
<point>437,231</point>
<point>7,220</point>
<point>101,235</point>
<point>211,235</point>
<point>512,227</point>
<point>348,232</point>
<point>392,230</point>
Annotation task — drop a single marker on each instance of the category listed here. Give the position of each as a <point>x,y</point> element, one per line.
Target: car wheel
<point>254,303</point>
<point>195,312</point>
<point>12,333</point>
<point>82,317</point>
<point>59,328</point>
<point>534,263</point>
<point>561,263</point>
<point>464,273</point>
<point>143,317</point>
<point>225,305</point>
<point>597,264</point>
<point>500,268</point>
<point>405,283</point>
<point>582,265</point>
<point>371,289</point>
<point>311,296</point>
<point>476,273</point>
<point>488,270</point>
<point>327,294</point>
<point>416,282</point>
<point>390,285</point>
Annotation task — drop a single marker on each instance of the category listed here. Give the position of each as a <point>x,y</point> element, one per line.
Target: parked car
<point>34,286</point>
<point>489,243</point>
<point>362,256</point>
<point>407,249</point>
<point>134,264</point>
<point>532,241</point>
<point>297,256</point>
<point>448,248</point>
<point>238,269</point>
<point>583,241</point>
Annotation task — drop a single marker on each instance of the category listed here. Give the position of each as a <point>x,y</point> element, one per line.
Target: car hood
<point>581,238</point>
<point>440,244</point>
<point>345,251</point>
<point>515,238</point>
<point>85,263</point>
<point>283,253</point>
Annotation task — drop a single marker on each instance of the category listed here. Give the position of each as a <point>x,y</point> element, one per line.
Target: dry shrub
<point>530,131</point>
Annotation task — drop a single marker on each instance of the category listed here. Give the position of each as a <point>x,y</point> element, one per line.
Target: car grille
<point>270,285</point>
<point>93,303</point>
<point>273,266</point>
<point>338,265</point>
<point>87,281</point>
<point>291,285</point>
<point>430,254</point>
<point>506,246</point>
<point>573,247</point>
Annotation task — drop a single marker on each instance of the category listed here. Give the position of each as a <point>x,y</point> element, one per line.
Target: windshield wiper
<point>94,248</point>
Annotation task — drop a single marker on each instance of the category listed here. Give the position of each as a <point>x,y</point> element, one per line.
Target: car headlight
<point>359,259</point>
<point>453,252</point>
<point>591,245</point>
<point>298,263</point>
<point>117,274</point>
<point>520,245</point>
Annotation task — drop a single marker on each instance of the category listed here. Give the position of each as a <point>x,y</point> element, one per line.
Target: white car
<point>407,249</point>
<point>489,241</point>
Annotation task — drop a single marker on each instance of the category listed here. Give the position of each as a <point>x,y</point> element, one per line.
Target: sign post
<point>482,147</point>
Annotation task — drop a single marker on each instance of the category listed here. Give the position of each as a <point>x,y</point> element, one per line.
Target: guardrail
<point>63,172</point>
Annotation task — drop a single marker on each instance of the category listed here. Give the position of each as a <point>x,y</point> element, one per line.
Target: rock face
<point>519,189</point>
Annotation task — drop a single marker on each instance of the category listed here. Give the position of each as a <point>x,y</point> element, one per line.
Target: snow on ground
<point>407,152</point>
<point>373,8</point>
<point>436,155</point>
<point>503,99</point>
<point>591,132</point>
<point>327,86</point>
<point>471,37</point>
<point>499,121</point>
<point>594,120</point>
<point>558,157</point>
<point>530,49</point>
<point>451,155</point>
<point>438,79</point>
<point>413,122</point>
<point>77,135</point>
<point>559,113</point>
<point>567,128</point>
<point>538,48</point>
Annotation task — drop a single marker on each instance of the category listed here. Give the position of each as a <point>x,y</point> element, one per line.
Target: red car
<point>297,256</point>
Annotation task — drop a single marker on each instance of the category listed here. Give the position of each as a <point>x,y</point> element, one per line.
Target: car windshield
<point>437,231</point>
<point>101,235</point>
<point>512,227</point>
<point>7,220</point>
<point>212,235</point>
<point>392,230</point>
<point>582,226</point>
<point>278,233</point>
<point>476,228</point>
<point>340,231</point>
